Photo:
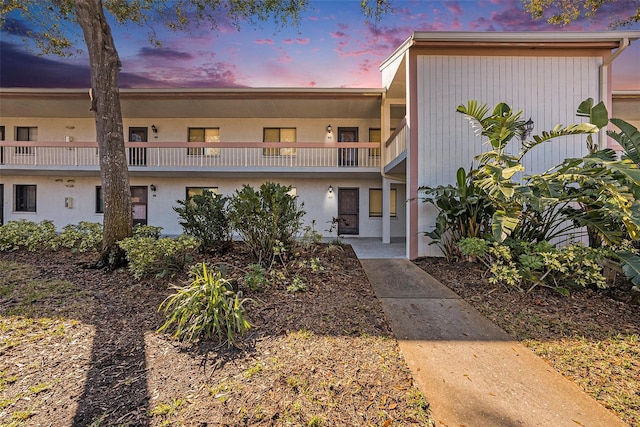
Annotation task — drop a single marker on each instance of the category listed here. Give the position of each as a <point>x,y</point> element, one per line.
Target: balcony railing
<point>396,145</point>
<point>189,155</point>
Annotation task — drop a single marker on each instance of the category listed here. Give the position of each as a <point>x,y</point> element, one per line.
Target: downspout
<point>604,83</point>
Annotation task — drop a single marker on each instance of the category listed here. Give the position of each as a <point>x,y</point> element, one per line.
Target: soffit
<point>189,103</point>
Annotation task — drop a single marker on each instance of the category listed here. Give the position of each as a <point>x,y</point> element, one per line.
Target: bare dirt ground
<point>79,347</point>
<point>591,337</point>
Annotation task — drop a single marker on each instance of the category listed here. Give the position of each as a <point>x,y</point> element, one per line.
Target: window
<point>26,134</point>
<point>279,135</point>
<point>194,191</point>
<point>25,198</point>
<point>99,200</point>
<point>375,135</point>
<point>375,203</point>
<point>211,135</point>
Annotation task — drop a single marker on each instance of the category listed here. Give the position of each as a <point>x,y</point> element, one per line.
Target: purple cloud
<point>454,7</point>
<point>164,54</point>
<point>23,69</point>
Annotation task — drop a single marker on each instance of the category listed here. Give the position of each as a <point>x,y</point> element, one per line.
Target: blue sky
<point>333,47</point>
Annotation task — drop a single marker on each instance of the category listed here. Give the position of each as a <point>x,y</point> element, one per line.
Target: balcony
<point>394,151</point>
<point>228,157</point>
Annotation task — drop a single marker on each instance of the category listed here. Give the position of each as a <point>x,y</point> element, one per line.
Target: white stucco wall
<point>313,192</point>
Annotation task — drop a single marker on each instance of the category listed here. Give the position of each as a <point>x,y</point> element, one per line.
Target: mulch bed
<point>87,352</point>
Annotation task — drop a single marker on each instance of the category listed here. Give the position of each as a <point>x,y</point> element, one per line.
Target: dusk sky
<point>333,47</point>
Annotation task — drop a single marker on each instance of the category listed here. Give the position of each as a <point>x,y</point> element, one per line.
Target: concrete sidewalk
<point>470,371</point>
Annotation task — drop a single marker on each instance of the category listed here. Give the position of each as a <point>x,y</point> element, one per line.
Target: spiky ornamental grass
<point>206,308</point>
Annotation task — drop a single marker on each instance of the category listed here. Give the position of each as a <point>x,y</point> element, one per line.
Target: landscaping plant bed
<point>592,337</point>
<point>79,347</point>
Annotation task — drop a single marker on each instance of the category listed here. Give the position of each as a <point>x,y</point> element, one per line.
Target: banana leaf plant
<point>497,168</point>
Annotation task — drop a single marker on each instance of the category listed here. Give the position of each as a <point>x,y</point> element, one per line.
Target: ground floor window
<point>99,200</point>
<point>195,191</point>
<point>375,202</point>
<point>25,198</point>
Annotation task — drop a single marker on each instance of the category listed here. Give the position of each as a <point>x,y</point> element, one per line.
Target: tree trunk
<point>105,102</point>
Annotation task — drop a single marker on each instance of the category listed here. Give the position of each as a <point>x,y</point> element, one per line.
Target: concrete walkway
<point>470,371</point>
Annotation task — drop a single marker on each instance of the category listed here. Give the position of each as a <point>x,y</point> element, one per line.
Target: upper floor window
<point>24,133</point>
<point>211,135</point>
<point>287,135</point>
<point>25,198</point>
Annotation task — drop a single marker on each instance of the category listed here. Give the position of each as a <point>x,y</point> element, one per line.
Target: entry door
<point>139,205</point>
<point>1,204</point>
<point>348,156</point>
<point>138,155</point>
<point>348,211</point>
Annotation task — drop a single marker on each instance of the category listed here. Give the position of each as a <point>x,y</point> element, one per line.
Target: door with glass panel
<point>138,154</point>
<point>348,156</point>
<point>348,211</point>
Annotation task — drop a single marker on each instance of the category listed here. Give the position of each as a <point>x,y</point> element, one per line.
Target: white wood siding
<point>547,89</point>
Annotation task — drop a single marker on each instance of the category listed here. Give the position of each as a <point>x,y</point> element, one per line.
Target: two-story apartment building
<point>355,154</point>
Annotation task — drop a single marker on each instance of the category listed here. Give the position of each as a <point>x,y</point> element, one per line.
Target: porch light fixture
<point>154,129</point>
<point>153,188</point>
<point>330,189</point>
<point>329,128</point>
<point>528,128</point>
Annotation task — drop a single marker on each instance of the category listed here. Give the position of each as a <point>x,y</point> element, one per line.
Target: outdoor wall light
<point>330,189</point>
<point>154,129</point>
<point>329,128</point>
<point>153,187</point>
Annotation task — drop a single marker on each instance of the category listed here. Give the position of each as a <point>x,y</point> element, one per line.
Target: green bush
<point>140,230</point>
<point>83,237</point>
<point>160,257</point>
<point>265,219</point>
<point>524,266</point>
<point>28,234</point>
<point>204,216</point>
<point>206,308</point>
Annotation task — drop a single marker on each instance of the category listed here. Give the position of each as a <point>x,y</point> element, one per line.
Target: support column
<point>386,210</point>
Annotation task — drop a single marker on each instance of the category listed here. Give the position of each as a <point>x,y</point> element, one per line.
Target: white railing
<point>181,155</point>
<point>396,144</point>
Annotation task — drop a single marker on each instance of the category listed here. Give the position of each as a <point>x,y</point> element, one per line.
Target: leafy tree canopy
<point>55,31</point>
<point>619,13</point>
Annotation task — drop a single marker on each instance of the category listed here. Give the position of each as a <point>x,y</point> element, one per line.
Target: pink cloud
<point>287,41</point>
<point>454,7</point>
<point>338,35</point>
<point>264,41</point>
<point>303,41</point>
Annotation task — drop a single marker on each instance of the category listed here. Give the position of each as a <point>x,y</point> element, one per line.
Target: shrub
<point>265,217</point>
<point>83,237</point>
<point>525,266</point>
<point>140,230</point>
<point>206,308</point>
<point>161,257</point>
<point>204,216</point>
<point>255,278</point>
<point>28,234</point>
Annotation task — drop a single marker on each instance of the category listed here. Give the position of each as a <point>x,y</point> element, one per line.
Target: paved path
<point>470,371</point>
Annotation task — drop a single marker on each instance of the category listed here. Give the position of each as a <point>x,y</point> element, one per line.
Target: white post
<point>386,210</point>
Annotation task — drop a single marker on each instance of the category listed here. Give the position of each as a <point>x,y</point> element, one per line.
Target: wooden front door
<point>139,205</point>
<point>138,155</point>
<point>348,211</point>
